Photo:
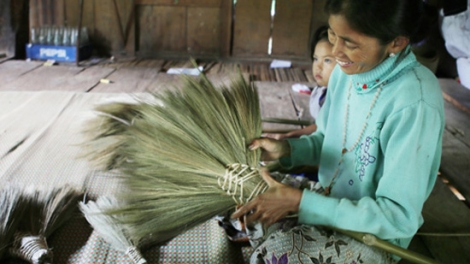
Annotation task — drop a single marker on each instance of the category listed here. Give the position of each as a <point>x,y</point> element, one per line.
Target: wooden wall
<point>178,28</point>
<point>7,46</point>
<point>198,27</point>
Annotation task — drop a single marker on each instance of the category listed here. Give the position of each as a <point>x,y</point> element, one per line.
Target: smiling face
<point>354,51</point>
<point>323,62</point>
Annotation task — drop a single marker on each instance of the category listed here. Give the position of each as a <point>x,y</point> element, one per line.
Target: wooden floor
<point>443,212</point>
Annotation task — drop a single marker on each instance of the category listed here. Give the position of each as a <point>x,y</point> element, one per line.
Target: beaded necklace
<point>346,122</point>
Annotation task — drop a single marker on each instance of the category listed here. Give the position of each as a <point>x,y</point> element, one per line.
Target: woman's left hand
<point>269,207</point>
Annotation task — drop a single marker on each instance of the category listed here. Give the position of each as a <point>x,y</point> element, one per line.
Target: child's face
<point>323,62</point>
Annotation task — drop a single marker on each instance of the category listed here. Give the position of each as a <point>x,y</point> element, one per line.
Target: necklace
<point>359,137</point>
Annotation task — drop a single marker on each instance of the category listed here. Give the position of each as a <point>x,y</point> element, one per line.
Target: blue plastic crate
<point>57,53</point>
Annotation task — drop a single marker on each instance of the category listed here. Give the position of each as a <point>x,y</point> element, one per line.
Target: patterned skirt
<point>289,242</point>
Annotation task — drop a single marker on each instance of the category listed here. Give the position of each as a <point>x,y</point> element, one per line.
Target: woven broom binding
<point>135,255</point>
<point>235,176</point>
<point>31,248</point>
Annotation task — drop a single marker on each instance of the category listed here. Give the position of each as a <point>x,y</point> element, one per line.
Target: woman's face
<point>354,51</point>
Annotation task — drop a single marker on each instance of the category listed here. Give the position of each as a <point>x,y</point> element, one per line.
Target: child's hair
<point>320,34</point>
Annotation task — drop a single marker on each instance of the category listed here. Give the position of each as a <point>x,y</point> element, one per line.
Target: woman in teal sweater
<point>378,144</point>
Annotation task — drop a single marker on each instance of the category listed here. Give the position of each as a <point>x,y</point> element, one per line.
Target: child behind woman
<point>322,66</point>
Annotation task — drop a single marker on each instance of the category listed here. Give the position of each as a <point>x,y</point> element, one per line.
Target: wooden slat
<point>457,123</point>
<point>455,163</point>
<point>130,30</point>
<point>33,14</point>
<point>86,79</point>
<point>203,31</point>
<point>456,93</point>
<point>276,102</point>
<point>319,17</point>
<point>301,102</point>
<point>444,213</point>
<point>128,80</point>
<point>13,69</point>
<point>7,34</point>
<point>456,141</point>
<point>194,3</point>
<point>225,39</point>
<point>58,15</point>
<point>161,28</point>
<point>151,63</point>
<point>252,28</point>
<point>72,8</point>
<point>46,12</point>
<point>291,27</point>
<point>107,24</point>
<point>42,79</point>
<point>30,76</point>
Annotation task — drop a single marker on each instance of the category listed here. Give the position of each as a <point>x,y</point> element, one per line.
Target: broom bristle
<point>12,206</point>
<point>186,160</point>
<point>109,228</point>
<point>48,209</point>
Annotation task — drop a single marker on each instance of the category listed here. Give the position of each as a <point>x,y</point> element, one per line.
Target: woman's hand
<point>269,207</point>
<point>271,149</point>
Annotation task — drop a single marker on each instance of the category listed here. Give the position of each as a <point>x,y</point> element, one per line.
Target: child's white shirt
<point>318,93</point>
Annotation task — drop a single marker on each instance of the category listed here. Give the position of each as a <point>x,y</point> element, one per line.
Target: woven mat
<point>40,136</point>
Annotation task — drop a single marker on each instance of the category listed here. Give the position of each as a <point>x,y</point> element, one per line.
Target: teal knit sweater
<point>383,183</point>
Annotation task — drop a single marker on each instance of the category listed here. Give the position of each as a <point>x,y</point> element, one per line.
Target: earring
<point>391,55</point>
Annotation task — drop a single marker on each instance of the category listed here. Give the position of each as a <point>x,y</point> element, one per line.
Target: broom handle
<point>372,240</point>
<point>286,121</point>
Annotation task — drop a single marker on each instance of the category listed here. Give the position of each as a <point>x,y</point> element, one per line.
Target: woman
<point>378,148</point>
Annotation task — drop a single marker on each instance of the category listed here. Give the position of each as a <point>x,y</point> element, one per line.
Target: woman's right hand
<point>271,149</point>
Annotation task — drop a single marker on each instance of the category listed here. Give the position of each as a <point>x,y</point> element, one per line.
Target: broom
<point>12,207</point>
<point>48,209</point>
<point>109,228</point>
<point>184,158</point>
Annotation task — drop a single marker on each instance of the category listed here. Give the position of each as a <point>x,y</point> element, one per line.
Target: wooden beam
<point>193,3</point>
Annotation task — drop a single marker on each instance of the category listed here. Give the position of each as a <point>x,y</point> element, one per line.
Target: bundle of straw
<point>48,209</point>
<point>183,159</point>
<point>109,228</point>
<point>12,206</point>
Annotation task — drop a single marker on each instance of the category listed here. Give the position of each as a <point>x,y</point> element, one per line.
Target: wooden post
<point>77,58</point>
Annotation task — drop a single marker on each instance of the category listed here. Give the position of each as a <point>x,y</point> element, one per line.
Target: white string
<point>135,255</point>
<point>236,175</point>
<point>34,248</point>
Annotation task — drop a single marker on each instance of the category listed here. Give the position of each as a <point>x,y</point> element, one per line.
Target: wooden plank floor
<point>443,212</point>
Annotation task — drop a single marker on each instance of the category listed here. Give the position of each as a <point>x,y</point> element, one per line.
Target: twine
<point>33,249</point>
<point>236,175</point>
<point>135,255</point>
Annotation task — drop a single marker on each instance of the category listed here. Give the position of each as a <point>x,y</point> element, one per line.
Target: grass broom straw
<point>109,228</point>
<point>12,206</point>
<point>48,209</point>
<point>184,159</point>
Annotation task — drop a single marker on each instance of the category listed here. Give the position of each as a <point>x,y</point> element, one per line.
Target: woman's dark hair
<point>320,34</point>
<point>383,19</point>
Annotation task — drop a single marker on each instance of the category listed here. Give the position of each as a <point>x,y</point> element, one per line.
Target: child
<point>322,66</point>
